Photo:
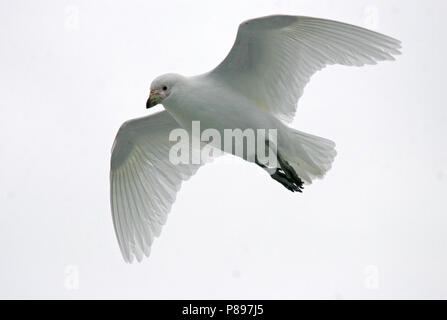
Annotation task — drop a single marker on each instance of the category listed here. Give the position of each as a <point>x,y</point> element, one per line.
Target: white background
<point>72,72</point>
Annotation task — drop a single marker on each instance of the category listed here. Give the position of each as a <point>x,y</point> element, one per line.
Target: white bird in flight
<point>256,86</point>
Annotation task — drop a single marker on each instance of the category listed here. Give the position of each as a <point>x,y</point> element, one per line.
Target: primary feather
<point>274,57</point>
<point>143,182</point>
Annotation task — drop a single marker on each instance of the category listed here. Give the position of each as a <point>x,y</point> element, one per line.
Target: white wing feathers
<point>271,61</point>
<point>143,182</point>
<point>274,57</point>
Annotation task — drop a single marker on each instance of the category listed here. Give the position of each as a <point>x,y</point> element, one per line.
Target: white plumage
<point>143,183</point>
<point>257,86</point>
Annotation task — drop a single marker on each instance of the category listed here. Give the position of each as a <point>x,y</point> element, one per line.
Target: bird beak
<point>154,99</point>
<point>149,103</point>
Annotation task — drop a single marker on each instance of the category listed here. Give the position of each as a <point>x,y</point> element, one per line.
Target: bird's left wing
<point>143,182</point>
<point>274,57</point>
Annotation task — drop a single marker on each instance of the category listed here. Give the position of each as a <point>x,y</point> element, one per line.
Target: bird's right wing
<point>274,57</point>
<point>143,182</point>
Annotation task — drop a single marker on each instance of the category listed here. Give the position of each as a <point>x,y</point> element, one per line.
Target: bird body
<point>205,99</point>
<point>216,106</point>
<point>256,87</point>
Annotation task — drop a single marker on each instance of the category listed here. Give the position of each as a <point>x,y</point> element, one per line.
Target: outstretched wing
<point>274,57</point>
<point>143,182</point>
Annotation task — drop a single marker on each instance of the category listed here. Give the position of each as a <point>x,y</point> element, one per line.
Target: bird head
<point>161,88</point>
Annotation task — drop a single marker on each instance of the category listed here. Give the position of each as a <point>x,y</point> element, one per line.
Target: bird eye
<point>165,88</point>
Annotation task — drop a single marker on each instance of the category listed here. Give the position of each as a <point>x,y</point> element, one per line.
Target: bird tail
<point>310,156</point>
